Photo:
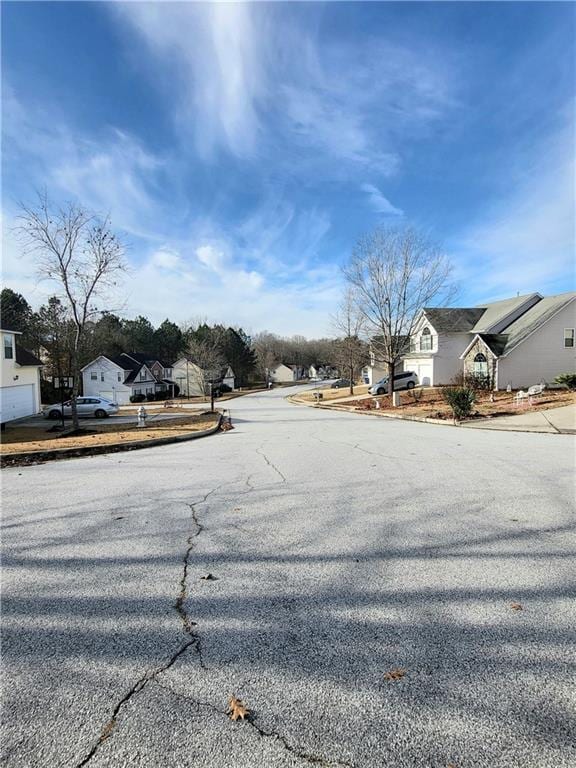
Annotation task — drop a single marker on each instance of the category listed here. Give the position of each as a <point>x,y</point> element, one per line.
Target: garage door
<point>16,402</point>
<point>424,374</point>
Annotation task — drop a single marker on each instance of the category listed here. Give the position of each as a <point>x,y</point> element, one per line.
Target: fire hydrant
<point>141,416</point>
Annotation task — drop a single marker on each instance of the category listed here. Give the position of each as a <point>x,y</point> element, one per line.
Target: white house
<point>283,374</point>
<point>517,342</point>
<point>19,379</point>
<point>118,378</point>
<point>318,371</point>
<point>190,377</point>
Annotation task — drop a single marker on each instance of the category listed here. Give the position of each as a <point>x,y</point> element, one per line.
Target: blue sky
<point>242,149</point>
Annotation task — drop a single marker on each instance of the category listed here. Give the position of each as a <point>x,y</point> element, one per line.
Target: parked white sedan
<point>88,408</point>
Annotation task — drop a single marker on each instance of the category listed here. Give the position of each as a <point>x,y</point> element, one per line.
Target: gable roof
<point>496,343</point>
<point>519,330</point>
<point>482,318</point>
<point>536,316</point>
<point>145,357</point>
<point>453,319</point>
<point>497,311</point>
<point>23,357</point>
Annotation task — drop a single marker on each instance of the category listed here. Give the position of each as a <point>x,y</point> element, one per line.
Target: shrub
<point>224,388</point>
<point>568,379</point>
<point>150,397</point>
<point>137,398</point>
<point>478,382</point>
<point>161,395</point>
<point>460,399</point>
<point>416,394</point>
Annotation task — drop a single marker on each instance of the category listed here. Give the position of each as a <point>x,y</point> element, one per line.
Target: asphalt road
<point>342,547</point>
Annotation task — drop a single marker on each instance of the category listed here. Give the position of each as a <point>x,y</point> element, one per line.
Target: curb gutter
<point>468,424</point>
<point>7,460</point>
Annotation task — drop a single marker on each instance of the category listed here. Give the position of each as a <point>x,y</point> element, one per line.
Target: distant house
<point>322,371</point>
<point>19,379</point>
<point>377,368</point>
<point>118,378</point>
<point>191,379</point>
<point>517,342</point>
<point>282,373</point>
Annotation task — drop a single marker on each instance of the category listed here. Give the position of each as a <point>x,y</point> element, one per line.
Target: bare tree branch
<point>79,252</point>
<point>394,274</point>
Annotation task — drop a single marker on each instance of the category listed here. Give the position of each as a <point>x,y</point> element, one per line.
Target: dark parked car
<point>340,384</point>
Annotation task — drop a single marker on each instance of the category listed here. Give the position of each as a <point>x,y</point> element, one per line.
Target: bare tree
<point>78,251</point>
<point>351,352</point>
<point>394,273</point>
<point>208,359</point>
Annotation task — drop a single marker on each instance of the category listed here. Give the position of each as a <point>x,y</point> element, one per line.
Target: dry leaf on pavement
<point>395,674</point>
<point>236,709</point>
<point>516,606</point>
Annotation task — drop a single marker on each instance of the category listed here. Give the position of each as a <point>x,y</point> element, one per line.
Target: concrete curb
<point>95,450</point>
<point>468,424</point>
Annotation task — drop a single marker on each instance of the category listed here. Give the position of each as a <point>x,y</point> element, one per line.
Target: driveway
<point>341,548</point>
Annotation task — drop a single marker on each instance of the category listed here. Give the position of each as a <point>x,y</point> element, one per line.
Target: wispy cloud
<point>213,53</point>
<point>525,241</point>
<point>239,83</point>
<point>379,203</point>
<point>112,174</point>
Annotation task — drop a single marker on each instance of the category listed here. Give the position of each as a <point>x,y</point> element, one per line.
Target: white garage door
<point>424,374</point>
<point>16,402</point>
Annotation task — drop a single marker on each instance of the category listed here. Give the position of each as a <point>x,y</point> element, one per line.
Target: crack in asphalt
<point>310,758</point>
<point>140,684</point>
<point>187,625</point>
<point>260,452</point>
<point>356,447</point>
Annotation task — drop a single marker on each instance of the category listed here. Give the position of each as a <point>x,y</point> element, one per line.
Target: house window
<point>94,376</point>
<point>426,340</point>
<point>119,376</point>
<point>8,347</point>
<point>480,365</point>
<point>142,376</point>
<point>101,375</point>
<point>568,337</point>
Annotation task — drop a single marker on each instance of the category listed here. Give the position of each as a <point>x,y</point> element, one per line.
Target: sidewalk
<point>553,420</point>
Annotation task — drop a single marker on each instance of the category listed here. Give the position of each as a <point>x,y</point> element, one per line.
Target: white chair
<point>520,397</point>
<point>535,391</point>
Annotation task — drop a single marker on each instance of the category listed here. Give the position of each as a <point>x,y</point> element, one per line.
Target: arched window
<point>480,365</point>
<point>426,340</point>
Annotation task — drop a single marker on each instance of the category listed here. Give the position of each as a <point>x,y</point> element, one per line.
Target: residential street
<point>342,547</point>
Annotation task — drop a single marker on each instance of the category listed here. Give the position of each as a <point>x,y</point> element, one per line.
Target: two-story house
<point>515,342</point>
<point>286,372</point>
<point>19,379</point>
<point>118,378</point>
<point>193,381</point>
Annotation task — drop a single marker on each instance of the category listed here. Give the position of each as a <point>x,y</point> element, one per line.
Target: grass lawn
<point>431,403</point>
<point>157,406</point>
<point>17,439</point>
<point>332,394</point>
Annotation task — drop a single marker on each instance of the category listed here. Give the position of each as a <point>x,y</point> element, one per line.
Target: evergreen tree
<point>239,354</point>
<point>169,341</point>
<point>139,335</point>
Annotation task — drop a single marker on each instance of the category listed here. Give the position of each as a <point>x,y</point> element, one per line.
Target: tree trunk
<point>351,380</point>
<point>74,361</point>
<point>390,379</point>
